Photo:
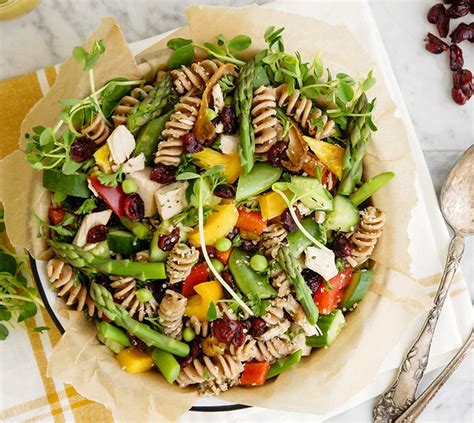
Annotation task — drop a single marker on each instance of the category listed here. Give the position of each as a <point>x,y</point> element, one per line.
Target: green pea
<point>144,295</point>
<point>59,197</point>
<point>129,186</point>
<point>218,265</point>
<point>189,334</point>
<point>223,244</point>
<point>259,263</point>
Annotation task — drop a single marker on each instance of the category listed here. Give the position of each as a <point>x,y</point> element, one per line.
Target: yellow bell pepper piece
<point>208,158</point>
<point>133,361</point>
<point>271,205</point>
<point>199,304</point>
<point>218,225</point>
<point>102,159</point>
<point>331,155</point>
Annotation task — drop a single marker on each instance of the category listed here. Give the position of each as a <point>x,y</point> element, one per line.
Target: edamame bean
<point>189,334</point>
<point>259,263</point>
<point>223,244</point>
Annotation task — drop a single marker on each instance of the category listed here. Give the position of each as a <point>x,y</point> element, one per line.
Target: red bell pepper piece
<point>254,373</point>
<point>199,274</point>
<point>113,196</point>
<point>251,221</point>
<point>328,299</point>
<point>223,256</point>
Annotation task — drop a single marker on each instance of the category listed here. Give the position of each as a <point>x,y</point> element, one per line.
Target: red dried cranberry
<point>342,246</point>
<point>228,119</point>
<point>459,9</point>
<point>225,191</point>
<point>194,351</point>
<point>313,280</point>
<point>224,330</point>
<point>249,246</point>
<point>211,252</point>
<point>463,32</point>
<point>134,207</point>
<point>102,280</point>
<point>456,61</point>
<point>277,154</point>
<point>258,326</point>
<point>434,44</point>
<point>97,234</point>
<point>239,335</point>
<point>227,276</point>
<point>287,220</point>
<point>167,242</point>
<point>56,215</point>
<point>191,143</point>
<point>437,15</point>
<point>462,78</point>
<point>233,233</point>
<point>163,174</point>
<point>458,96</point>
<point>137,342</point>
<point>82,149</point>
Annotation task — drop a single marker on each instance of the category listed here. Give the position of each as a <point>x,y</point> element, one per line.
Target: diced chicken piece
<point>91,220</point>
<point>218,98</point>
<point>121,144</point>
<point>322,261</point>
<point>229,143</point>
<point>171,199</point>
<point>146,188</point>
<point>134,164</point>
<point>319,216</point>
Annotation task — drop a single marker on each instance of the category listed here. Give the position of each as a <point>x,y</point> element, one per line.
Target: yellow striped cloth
<point>26,393</point>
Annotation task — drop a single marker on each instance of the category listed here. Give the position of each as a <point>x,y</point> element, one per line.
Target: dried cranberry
<point>459,9</point>
<point>287,219</point>
<point>211,252</point>
<point>463,32</point>
<point>102,280</point>
<point>163,174</point>
<point>246,324</point>
<point>228,119</point>
<point>239,335</point>
<point>313,280</point>
<point>167,242</point>
<point>82,149</point>
<point>462,78</point>
<point>227,276</point>
<point>233,233</point>
<point>258,326</point>
<point>97,234</point>
<point>434,44</point>
<point>277,154</point>
<point>437,15</point>
<point>134,207</point>
<point>56,215</point>
<point>194,351</point>
<point>458,96</point>
<point>224,329</point>
<point>342,246</point>
<point>137,343</point>
<point>456,61</point>
<point>191,143</point>
<point>249,246</point>
<point>225,191</point>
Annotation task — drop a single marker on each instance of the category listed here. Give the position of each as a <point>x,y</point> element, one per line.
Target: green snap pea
<point>283,364</point>
<point>370,187</point>
<point>167,364</point>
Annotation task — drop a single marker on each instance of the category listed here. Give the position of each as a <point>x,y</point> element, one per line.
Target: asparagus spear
<point>243,104</point>
<point>355,151</point>
<point>81,258</point>
<point>292,268</point>
<point>152,106</point>
<point>103,300</point>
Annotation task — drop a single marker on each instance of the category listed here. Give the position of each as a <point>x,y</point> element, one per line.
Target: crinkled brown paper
<point>326,379</point>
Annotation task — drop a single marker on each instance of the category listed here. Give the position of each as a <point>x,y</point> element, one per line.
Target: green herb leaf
<point>5,314</point>
<point>182,56</point>
<point>260,77</point>
<point>113,179</point>
<point>345,92</point>
<point>3,332</point>
<point>112,95</point>
<point>79,55</point>
<point>185,176</point>
<point>87,206</point>
<point>240,43</point>
<point>28,309</point>
<point>368,83</point>
<point>176,43</point>
<point>212,312</point>
<point>318,67</point>
<point>46,137</point>
<point>70,166</point>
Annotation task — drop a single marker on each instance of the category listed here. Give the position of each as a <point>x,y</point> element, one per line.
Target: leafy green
<point>176,43</point>
<point>227,83</point>
<point>89,59</point>
<point>66,228</point>
<point>182,56</point>
<point>189,216</point>
<point>113,179</point>
<point>257,305</point>
<point>112,95</point>
<point>212,312</point>
<point>227,50</point>
<point>87,206</point>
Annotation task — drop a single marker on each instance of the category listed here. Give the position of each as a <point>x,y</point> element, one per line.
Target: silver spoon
<point>457,206</point>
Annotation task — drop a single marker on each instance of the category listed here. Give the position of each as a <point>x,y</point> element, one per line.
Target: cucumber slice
<point>331,326</point>
<point>319,199</point>
<point>297,241</point>
<point>344,216</point>
<point>125,243</point>
<point>357,289</point>
<point>261,177</point>
<point>74,185</point>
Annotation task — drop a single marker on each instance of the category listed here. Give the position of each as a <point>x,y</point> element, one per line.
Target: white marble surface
<point>47,35</point>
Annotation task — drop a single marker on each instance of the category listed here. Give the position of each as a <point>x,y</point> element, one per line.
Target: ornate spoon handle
<point>401,394</point>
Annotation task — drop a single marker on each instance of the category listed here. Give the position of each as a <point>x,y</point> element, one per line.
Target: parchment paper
<point>329,377</point>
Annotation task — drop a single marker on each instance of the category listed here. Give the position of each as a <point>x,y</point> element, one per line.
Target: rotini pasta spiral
<point>273,349</point>
<point>294,309</point>
<point>63,280</point>
<point>128,102</point>
<point>180,262</point>
<point>181,122</point>
<point>275,319</point>
<point>124,290</point>
<point>302,110</point>
<point>264,119</point>
<point>193,78</point>
<point>246,351</point>
<point>171,313</point>
<point>200,328</point>
<point>280,281</point>
<point>366,234</point>
<point>272,238</point>
<point>97,131</point>
<point>215,375</point>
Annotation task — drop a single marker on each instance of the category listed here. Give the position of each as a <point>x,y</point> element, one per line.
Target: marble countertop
<point>47,35</point>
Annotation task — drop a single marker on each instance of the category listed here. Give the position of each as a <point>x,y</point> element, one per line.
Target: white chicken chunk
<point>229,143</point>
<point>218,98</point>
<point>121,144</point>
<point>322,261</point>
<point>91,220</point>
<point>134,164</point>
<point>146,188</point>
<point>171,199</point>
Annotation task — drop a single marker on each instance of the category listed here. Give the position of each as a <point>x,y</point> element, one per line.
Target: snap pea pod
<point>167,364</point>
<point>104,301</point>
<point>113,333</point>
<point>370,187</point>
<point>284,364</point>
<point>298,241</point>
